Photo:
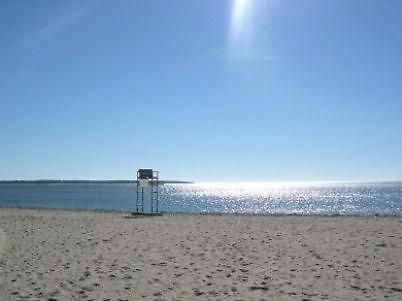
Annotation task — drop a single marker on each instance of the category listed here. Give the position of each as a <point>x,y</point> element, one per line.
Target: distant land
<point>161,182</point>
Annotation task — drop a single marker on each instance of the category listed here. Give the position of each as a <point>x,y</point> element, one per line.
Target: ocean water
<point>260,198</point>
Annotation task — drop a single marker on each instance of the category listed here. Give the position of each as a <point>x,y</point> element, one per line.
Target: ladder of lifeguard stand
<point>155,192</point>
<point>140,199</point>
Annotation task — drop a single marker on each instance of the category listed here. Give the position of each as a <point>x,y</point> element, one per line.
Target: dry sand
<point>66,255</point>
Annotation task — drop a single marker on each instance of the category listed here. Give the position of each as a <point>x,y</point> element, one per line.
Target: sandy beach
<point>69,255</point>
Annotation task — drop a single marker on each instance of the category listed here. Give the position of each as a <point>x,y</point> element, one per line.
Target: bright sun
<point>241,25</point>
<point>238,13</point>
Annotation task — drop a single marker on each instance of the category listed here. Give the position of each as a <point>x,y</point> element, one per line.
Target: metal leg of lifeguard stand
<point>136,200</point>
<point>142,199</point>
<point>152,198</point>
<point>157,196</point>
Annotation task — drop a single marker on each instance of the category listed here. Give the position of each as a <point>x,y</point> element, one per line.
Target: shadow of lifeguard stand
<point>147,188</point>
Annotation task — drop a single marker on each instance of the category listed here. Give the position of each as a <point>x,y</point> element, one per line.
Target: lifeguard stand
<point>147,182</point>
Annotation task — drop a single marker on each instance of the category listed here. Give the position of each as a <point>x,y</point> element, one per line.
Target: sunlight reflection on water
<point>287,198</point>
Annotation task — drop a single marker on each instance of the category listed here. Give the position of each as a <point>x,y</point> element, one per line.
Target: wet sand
<point>70,255</point>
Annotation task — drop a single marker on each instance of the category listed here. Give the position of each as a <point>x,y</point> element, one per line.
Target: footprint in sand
<point>3,242</point>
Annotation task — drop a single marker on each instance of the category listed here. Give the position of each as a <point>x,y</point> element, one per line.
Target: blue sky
<point>243,90</point>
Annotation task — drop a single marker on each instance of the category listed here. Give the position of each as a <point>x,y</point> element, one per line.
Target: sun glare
<point>241,25</point>
<point>239,9</point>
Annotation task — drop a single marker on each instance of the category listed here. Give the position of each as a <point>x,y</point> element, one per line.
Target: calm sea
<point>262,198</point>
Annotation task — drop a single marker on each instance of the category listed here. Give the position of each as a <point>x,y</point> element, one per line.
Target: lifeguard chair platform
<point>147,188</point>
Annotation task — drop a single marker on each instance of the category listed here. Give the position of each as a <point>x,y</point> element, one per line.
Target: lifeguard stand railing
<point>147,187</point>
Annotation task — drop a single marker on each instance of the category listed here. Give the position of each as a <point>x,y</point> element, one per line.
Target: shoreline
<point>204,213</point>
